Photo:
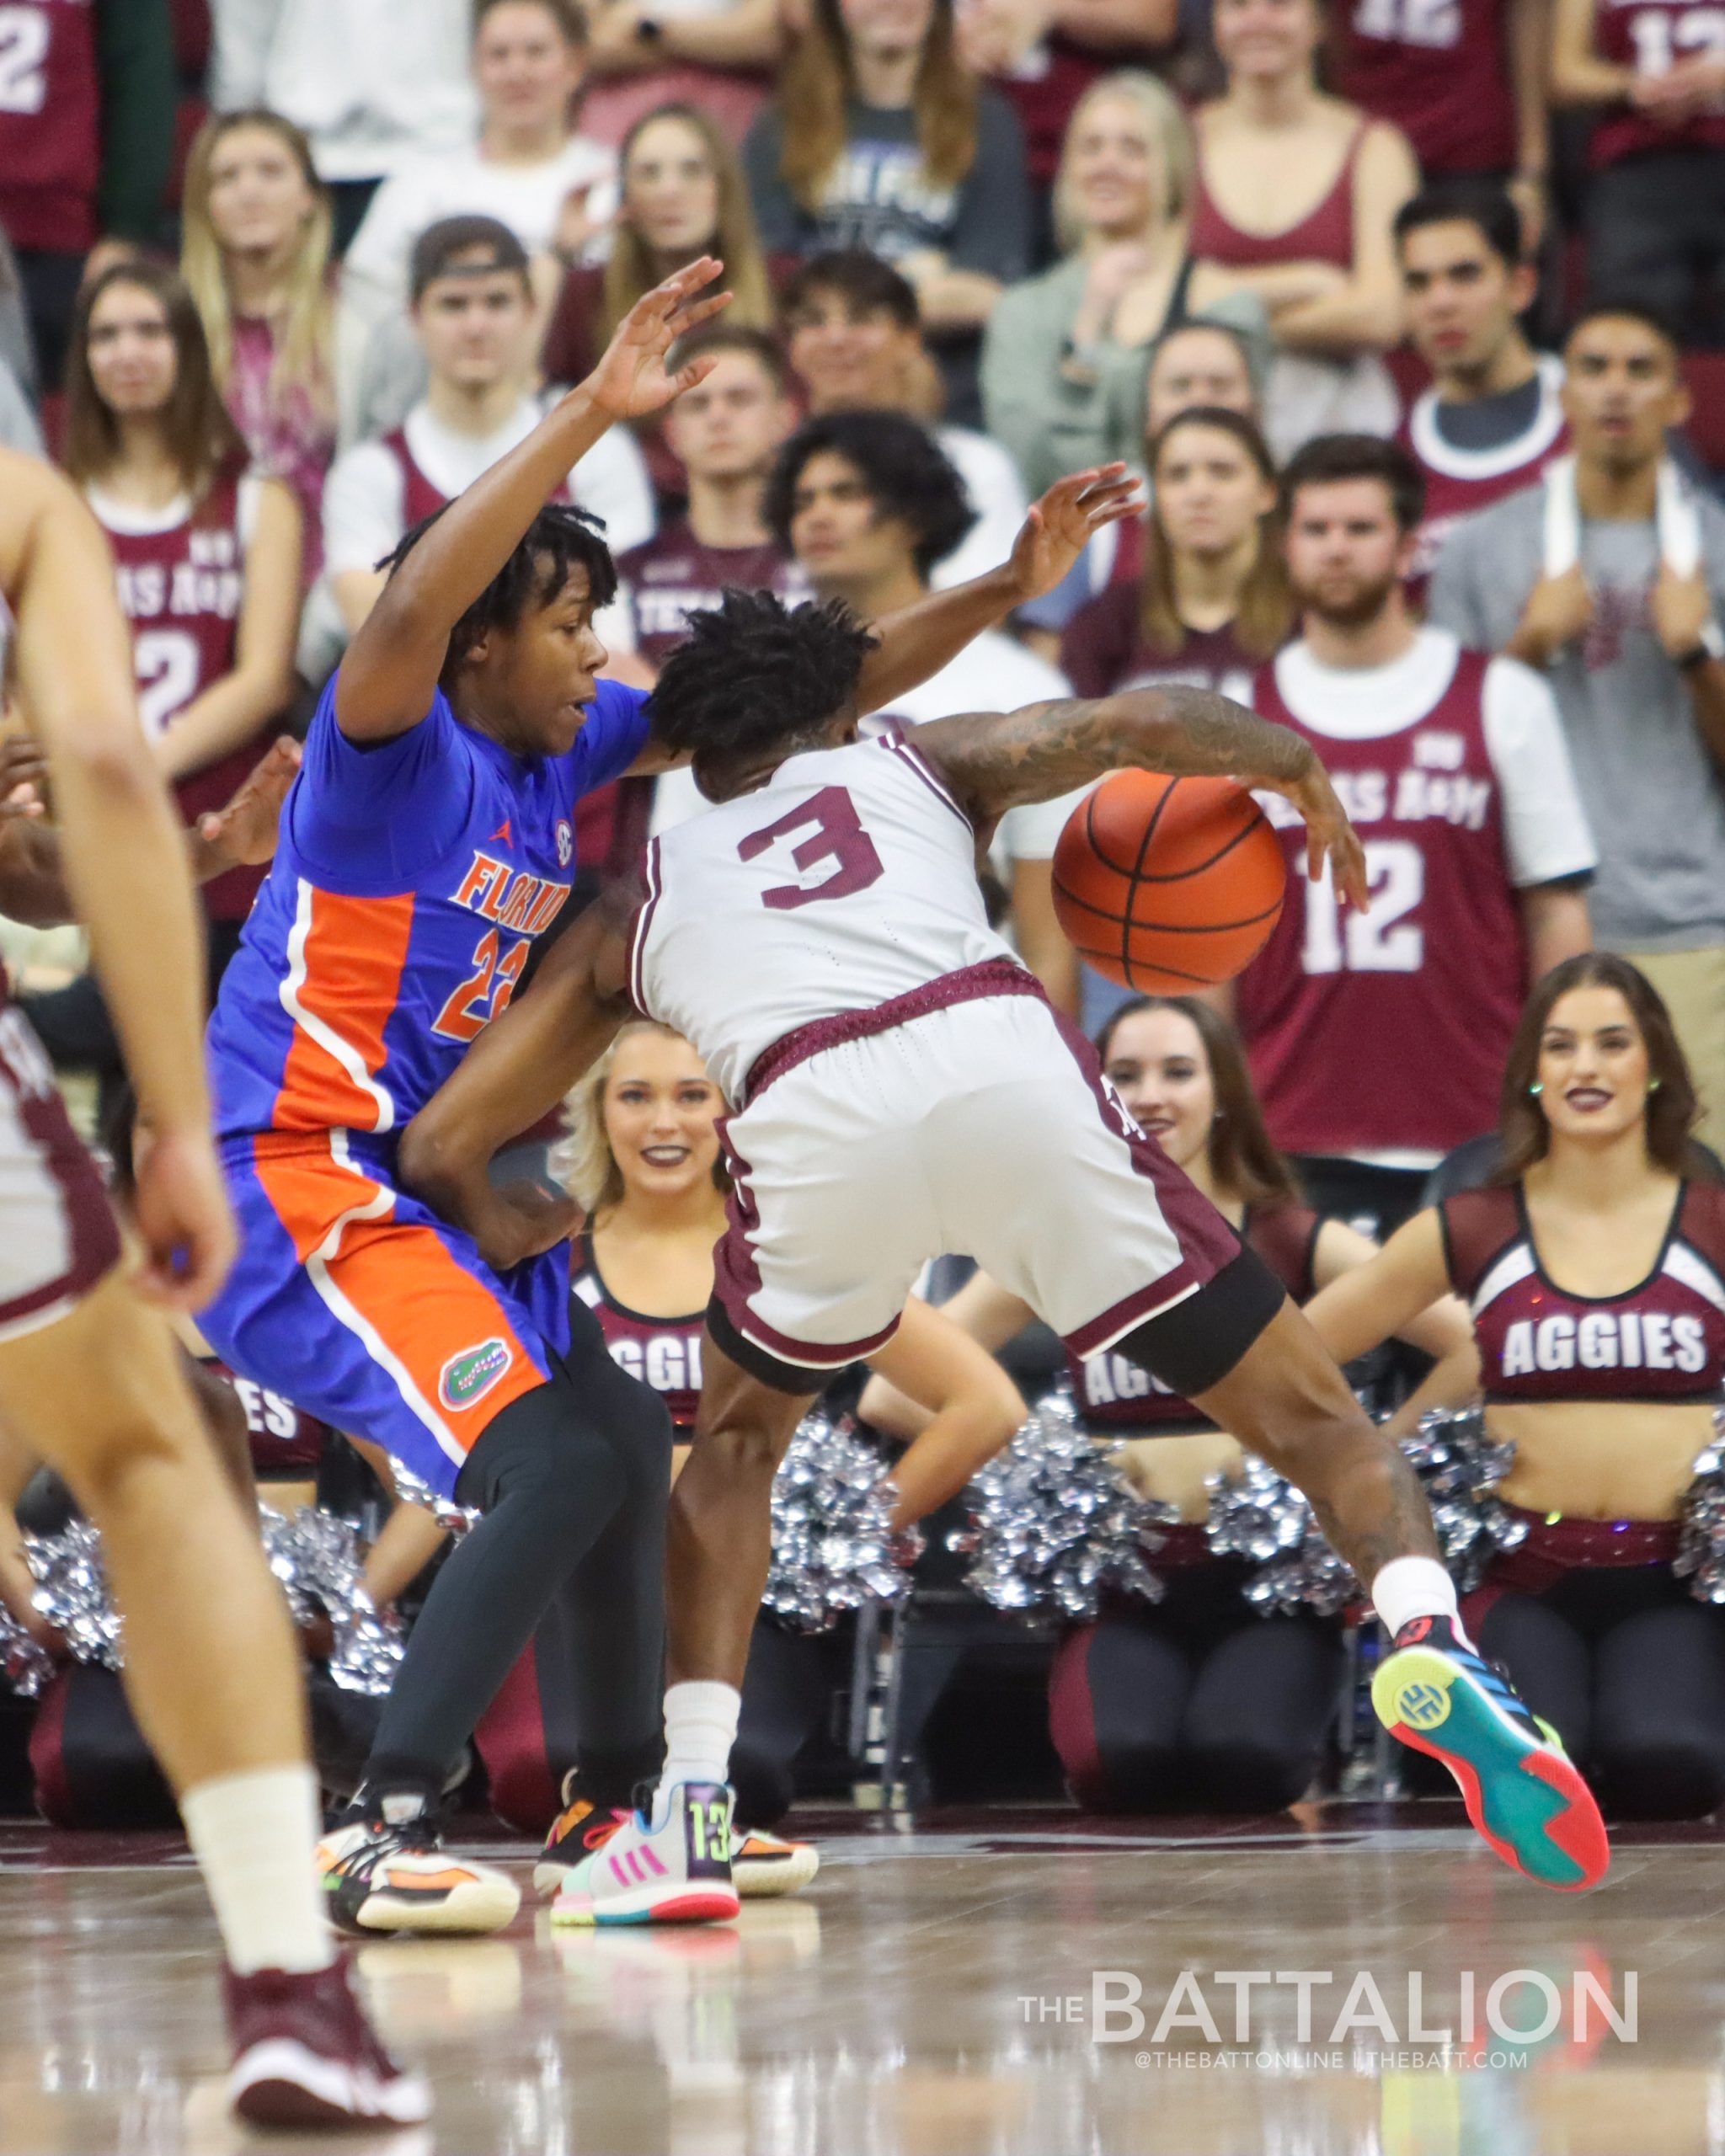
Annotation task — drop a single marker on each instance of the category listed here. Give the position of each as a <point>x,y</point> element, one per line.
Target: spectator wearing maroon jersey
<point>1464,81</point>
<point>1377,1040</point>
<point>726,433</point>
<point>1064,357</point>
<point>1609,575</point>
<point>87,99</point>
<point>855,338</point>
<point>1594,1262</point>
<point>1656,199</point>
<point>683,195</point>
<point>1493,418</point>
<point>1211,603</point>
<point>882,138</point>
<point>1296,195</point>
<point>206,555</point>
<point>254,250</point>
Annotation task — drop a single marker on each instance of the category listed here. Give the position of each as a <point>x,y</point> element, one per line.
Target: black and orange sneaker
<point>1524,1794</point>
<point>384,1868</point>
<point>764,1865</point>
<point>579,1829</point>
<point>305,2056</point>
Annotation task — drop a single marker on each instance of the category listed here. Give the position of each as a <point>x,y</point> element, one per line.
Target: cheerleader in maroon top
<point>644,1160</point>
<point>1594,1265</point>
<point>1295,196</point>
<point>1198,1703</point>
<point>208,557</point>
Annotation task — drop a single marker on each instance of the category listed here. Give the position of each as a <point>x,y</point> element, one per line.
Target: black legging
<point>1195,1703</point>
<point>572,1480</point>
<point>1630,1670</point>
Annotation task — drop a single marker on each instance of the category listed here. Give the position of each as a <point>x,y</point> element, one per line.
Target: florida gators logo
<point>470,1375</point>
<point>565,843</point>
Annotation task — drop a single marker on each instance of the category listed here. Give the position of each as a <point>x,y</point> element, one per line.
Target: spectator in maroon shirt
<point>86,145</point>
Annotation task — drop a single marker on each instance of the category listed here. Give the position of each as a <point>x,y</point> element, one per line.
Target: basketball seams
<point>1166,927</point>
<point>1198,867</point>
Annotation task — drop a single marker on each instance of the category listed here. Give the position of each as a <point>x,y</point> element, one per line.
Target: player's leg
<point>213,1681</point>
<point>1113,1247</point>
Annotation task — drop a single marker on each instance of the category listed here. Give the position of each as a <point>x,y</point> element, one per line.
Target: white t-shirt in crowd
<point>1546,835</point>
<point>996,492</point>
<point>993,673</point>
<point>529,199</point>
<point>365,510</point>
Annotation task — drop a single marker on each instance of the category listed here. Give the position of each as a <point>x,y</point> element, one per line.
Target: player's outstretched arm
<point>995,760</point>
<point>240,833</point>
<point>125,864</point>
<point>392,665</point>
<point>518,1070</point>
<point>918,640</point>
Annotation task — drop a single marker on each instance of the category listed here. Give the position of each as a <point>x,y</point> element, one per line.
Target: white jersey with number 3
<point>849,878</point>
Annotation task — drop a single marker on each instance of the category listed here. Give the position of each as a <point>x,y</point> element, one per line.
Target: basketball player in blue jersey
<point>427,843</point>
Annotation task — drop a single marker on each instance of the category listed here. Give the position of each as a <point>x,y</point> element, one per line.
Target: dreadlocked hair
<point>752,673</point>
<point>559,539</point>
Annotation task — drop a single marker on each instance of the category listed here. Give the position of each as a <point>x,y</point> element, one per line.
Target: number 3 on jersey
<point>1384,941</point>
<point>838,836</point>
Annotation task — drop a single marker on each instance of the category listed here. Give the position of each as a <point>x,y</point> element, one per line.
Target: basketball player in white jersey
<point>821,937</point>
<point>90,1377</point>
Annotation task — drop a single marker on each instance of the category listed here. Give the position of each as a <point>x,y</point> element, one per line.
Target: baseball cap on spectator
<point>440,249</point>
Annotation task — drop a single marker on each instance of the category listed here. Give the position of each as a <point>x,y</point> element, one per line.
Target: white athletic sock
<point>700,1728</point>
<point>1415,1587</point>
<point>253,1834</point>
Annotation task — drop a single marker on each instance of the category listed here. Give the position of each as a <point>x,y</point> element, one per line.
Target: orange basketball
<point>1168,884</point>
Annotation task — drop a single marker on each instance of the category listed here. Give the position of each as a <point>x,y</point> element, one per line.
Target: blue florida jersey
<point>410,880</point>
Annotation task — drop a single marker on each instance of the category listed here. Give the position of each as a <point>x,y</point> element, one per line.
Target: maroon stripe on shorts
<point>736,1277</point>
<point>1206,1242</point>
<point>93,1236</point>
<point>970,985</point>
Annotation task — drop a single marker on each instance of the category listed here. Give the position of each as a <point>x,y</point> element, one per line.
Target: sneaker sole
<point>648,1905</point>
<point>758,1879</point>
<point>470,1911</point>
<point>1525,1799</point>
<point>281,2082</point>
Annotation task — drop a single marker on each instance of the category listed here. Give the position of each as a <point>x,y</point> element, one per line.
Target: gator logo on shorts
<point>470,1375</point>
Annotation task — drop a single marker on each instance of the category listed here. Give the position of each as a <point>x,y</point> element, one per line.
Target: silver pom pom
<point>1263,1518</point>
<point>1459,1466</point>
<point>1055,1525</point>
<point>832,1539</point>
<point>25,1663</point>
<point>72,1592</point>
<point>1700,1549</point>
<point>318,1562</point>
<point>413,1490</point>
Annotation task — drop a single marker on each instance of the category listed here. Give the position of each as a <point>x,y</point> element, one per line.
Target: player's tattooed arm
<point>521,1068</point>
<point>995,760</point>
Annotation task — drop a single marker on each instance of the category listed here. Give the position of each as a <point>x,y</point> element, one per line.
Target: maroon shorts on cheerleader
<point>58,1236</point>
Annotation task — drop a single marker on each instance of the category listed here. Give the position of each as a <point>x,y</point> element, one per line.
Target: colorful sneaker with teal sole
<point>1434,1693</point>
<point>677,1873</point>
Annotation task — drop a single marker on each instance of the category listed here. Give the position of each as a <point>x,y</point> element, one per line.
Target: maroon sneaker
<point>305,2056</point>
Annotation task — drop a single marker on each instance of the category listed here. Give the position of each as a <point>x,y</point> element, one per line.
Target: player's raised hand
<point>1062,524</point>
<point>1329,835</point>
<point>630,378</point>
<point>242,832</point>
<point>182,1214</point>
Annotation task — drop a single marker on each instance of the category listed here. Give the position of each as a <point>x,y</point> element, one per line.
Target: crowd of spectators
<point>280,276</point>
